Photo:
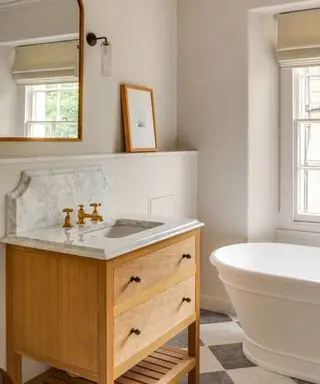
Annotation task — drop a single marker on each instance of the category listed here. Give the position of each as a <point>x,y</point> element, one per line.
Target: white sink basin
<point>124,227</point>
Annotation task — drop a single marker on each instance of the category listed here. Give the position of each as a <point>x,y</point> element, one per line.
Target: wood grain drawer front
<point>153,269</point>
<point>152,319</point>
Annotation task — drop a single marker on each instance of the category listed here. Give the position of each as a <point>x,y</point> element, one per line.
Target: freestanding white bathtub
<point>275,289</point>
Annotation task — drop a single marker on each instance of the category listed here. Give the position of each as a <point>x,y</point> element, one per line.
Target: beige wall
<point>144,37</point>
<point>213,116</point>
<point>262,128</point>
<point>8,94</point>
<point>34,21</point>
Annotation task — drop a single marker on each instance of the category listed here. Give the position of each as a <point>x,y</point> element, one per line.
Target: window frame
<point>289,217</point>
<point>30,103</point>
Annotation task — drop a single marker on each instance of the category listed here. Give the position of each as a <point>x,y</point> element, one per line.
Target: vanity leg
<point>194,351</point>
<point>14,367</point>
<point>105,324</point>
<point>14,360</point>
<point>194,329</point>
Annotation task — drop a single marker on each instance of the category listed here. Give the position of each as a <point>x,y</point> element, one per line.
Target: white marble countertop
<point>85,241</point>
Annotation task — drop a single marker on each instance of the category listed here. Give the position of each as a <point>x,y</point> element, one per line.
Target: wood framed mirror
<point>41,70</point>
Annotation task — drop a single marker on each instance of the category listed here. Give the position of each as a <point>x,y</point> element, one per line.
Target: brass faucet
<point>67,220</point>
<point>94,216</point>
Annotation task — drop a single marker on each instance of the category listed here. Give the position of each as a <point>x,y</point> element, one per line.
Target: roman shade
<point>299,38</point>
<point>45,63</point>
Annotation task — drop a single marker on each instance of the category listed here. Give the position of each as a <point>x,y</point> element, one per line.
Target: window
<point>300,144</point>
<point>52,110</point>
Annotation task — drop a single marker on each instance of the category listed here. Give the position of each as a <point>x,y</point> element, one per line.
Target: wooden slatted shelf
<point>166,365</point>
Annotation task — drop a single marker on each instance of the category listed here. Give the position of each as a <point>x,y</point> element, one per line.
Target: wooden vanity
<point>105,320</point>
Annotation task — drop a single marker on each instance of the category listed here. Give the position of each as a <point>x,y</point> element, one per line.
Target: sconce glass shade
<point>106,59</point>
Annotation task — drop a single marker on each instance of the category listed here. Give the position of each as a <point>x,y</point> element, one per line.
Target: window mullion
<point>307,94</point>
<point>306,191</point>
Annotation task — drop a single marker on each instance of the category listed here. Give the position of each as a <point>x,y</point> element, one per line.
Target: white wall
<point>144,37</point>
<point>135,181</point>
<point>36,20</point>
<point>213,116</point>
<point>263,128</point>
<point>8,94</point>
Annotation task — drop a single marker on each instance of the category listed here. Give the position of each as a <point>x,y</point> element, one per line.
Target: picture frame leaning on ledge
<point>139,118</point>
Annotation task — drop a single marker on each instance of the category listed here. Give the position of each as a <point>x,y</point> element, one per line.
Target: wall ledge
<point>44,159</point>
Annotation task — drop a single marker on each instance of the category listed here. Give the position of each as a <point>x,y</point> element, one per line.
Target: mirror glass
<point>40,69</point>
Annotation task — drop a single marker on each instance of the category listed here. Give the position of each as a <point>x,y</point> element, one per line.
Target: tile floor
<point>221,358</point>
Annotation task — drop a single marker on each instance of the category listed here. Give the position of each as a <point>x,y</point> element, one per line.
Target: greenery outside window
<point>52,110</point>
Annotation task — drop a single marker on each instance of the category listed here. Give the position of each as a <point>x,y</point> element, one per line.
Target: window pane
<point>69,106</point>
<point>38,106</point>
<point>40,130</point>
<point>308,93</point>
<point>51,106</point>
<point>313,70</point>
<point>314,97</point>
<point>52,110</point>
<point>309,144</point>
<point>308,192</point>
<point>66,130</point>
<point>306,143</point>
<point>50,130</point>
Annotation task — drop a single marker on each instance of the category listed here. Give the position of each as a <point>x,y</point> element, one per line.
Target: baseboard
<point>216,304</point>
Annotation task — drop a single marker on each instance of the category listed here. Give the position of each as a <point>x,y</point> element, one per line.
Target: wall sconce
<point>106,52</point>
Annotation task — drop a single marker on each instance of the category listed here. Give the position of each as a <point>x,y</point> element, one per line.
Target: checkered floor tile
<point>221,358</point>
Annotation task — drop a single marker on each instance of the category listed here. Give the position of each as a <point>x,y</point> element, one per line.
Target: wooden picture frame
<point>139,118</point>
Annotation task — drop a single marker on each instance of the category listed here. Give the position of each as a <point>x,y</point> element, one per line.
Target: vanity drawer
<point>153,269</point>
<point>152,319</point>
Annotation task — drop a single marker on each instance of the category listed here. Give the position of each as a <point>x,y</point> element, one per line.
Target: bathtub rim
<point>218,263</point>
<point>264,293</point>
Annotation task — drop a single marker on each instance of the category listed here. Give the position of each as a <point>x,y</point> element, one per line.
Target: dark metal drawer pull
<point>135,279</point>
<point>136,332</point>
<point>186,300</point>
<point>187,256</point>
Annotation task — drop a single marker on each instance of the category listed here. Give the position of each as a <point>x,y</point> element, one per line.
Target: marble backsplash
<point>41,195</point>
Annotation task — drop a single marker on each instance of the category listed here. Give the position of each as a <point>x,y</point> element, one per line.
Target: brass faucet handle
<point>67,210</point>
<point>67,220</point>
<point>81,206</point>
<point>95,207</point>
